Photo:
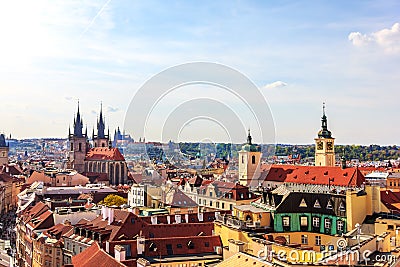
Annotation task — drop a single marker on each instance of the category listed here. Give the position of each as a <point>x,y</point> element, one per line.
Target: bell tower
<point>249,163</point>
<point>4,148</point>
<point>324,144</point>
<point>101,139</point>
<point>78,145</point>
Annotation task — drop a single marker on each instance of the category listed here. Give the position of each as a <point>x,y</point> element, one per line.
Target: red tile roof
<point>349,177</point>
<point>94,256</point>
<point>104,153</point>
<point>390,199</point>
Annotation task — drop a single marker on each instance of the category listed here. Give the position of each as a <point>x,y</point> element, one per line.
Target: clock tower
<point>324,144</point>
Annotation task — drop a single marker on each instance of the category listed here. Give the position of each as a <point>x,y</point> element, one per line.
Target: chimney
<point>120,253</point>
<point>153,220</point>
<point>140,245</point>
<point>169,219</point>
<point>200,216</point>
<point>178,218</point>
<point>110,215</point>
<point>104,212</point>
<point>143,263</point>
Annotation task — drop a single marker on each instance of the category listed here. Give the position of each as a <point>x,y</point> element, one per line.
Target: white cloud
<point>277,84</point>
<point>388,39</point>
<point>112,109</point>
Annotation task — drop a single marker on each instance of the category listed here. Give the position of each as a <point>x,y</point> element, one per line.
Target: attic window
<point>329,205</point>
<point>190,245</point>
<point>307,172</point>
<point>342,207</point>
<point>303,204</point>
<point>316,204</point>
<point>313,178</point>
<point>345,174</point>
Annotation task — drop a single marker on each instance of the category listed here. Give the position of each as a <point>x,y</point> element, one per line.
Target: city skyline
<point>299,55</point>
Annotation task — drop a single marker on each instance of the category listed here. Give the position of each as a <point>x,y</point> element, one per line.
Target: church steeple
<point>249,137</point>
<point>100,124</point>
<point>78,124</point>
<point>324,132</point>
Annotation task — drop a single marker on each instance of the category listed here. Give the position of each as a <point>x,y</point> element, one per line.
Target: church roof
<point>104,153</point>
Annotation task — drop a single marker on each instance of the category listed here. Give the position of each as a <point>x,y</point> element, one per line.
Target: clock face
<point>320,145</point>
<point>329,146</point>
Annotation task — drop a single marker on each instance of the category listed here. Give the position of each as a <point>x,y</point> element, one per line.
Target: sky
<point>299,54</point>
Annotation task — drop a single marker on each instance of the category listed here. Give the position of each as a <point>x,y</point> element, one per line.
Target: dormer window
<point>316,204</point>
<point>329,205</point>
<point>303,204</point>
<point>342,207</point>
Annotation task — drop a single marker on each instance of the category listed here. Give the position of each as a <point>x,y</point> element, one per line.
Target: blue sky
<point>299,53</point>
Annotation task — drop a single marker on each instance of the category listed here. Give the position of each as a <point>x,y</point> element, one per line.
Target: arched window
<point>117,173</point>
<point>253,159</point>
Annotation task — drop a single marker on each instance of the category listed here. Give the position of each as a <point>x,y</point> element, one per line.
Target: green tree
<point>112,200</point>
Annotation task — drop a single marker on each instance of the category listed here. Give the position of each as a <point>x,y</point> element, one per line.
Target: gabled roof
<point>335,176</point>
<point>94,256</point>
<point>275,173</point>
<point>104,153</point>
<point>179,199</point>
<point>391,200</point>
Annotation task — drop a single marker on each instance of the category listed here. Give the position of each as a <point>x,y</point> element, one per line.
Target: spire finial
<point>249,137</point>
<point>323,108</point>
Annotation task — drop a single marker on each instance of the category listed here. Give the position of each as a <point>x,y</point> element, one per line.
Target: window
<point>210,193</point>
<point>200,201</point>
<point>286,221</point>
<point>303,204</point>
<point>340,225</point>
<point>230,206</point>
<point>179,246</point>
<point>342,207</point>
<point>390,227</point>
<point>253,159</point>
<point>242,159</point>
<point>315,221</point>
<point>217,204</point>
<point>72,146</point>
<point>329,205</point>
<point>304,239</point>
<point>328,223</point>
<point>223,205</point>
<point>80,147</point>
<point>303,221</point>
<point>317,240</point>
<point>317,205</point>
<point>210,203</point>
<point>206,244</point>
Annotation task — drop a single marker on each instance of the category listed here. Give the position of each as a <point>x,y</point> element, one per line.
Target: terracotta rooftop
<point>348,177</point>
<point>94,256</point>
<point>104,153</point>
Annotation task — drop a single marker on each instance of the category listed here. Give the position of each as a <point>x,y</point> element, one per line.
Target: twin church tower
<point>99,158</point>
<point>250,155</point>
